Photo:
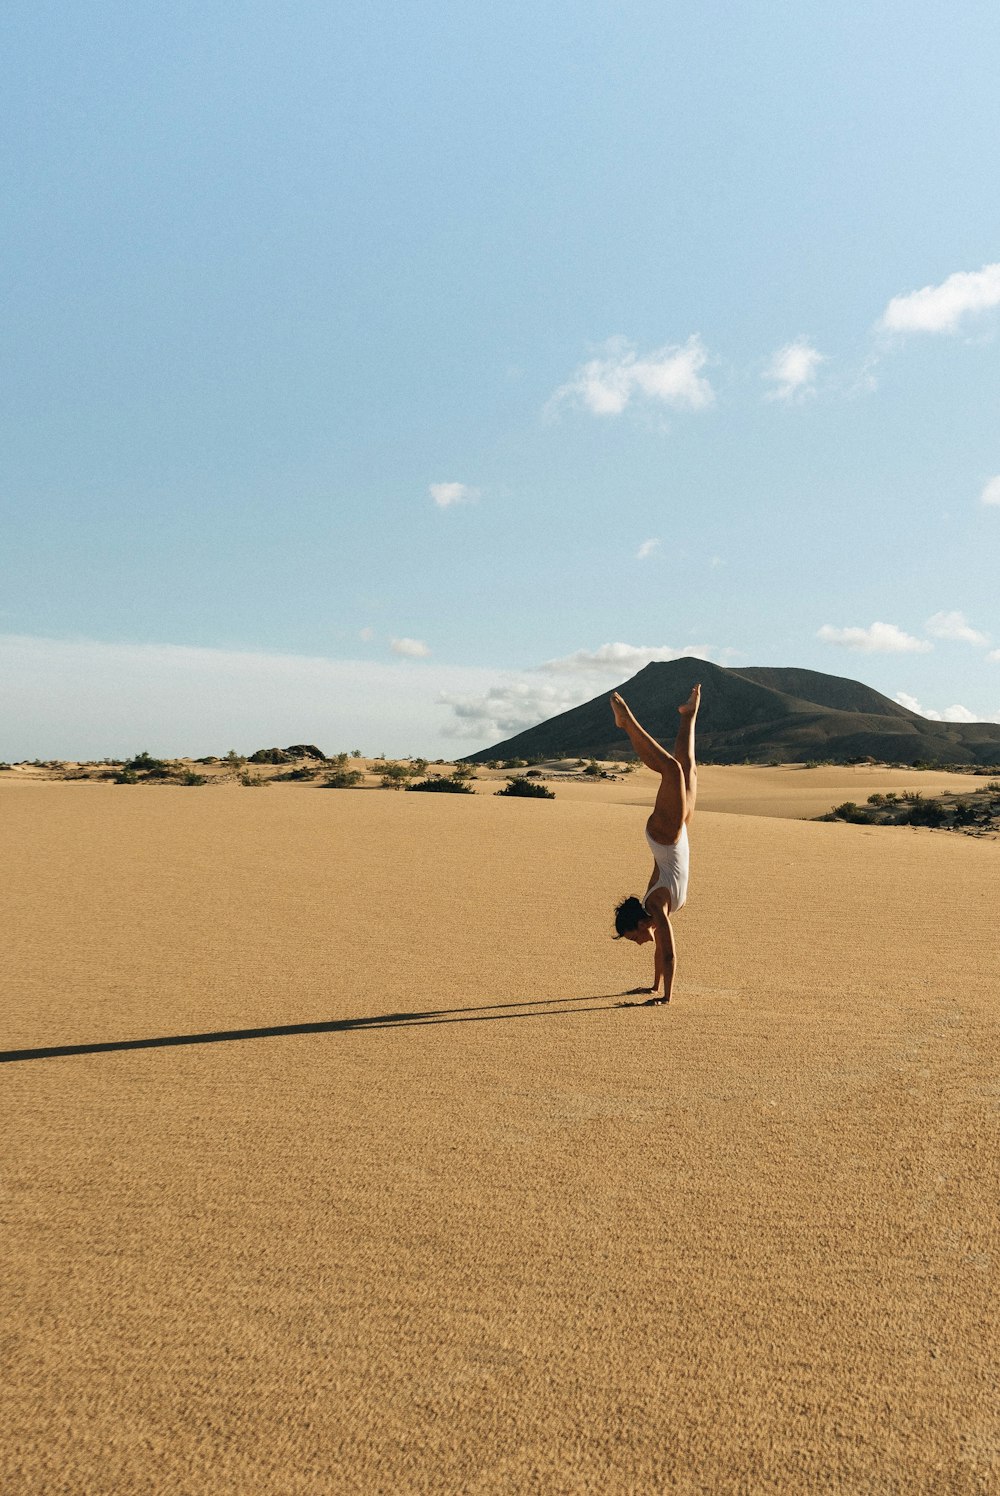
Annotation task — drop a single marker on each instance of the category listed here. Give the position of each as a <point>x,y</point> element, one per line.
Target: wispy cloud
<point>669,376</point>
<point>941,308</point>
<point>447,494</point>
<point>991,493</point>
<point>616,659</point>
<point>366,634</point>
<point>646,549</point>
<point>792,370</point>
<point>84,698</point>
<point>528,697</point>
<point>955,626</point>
<point>410,649</point>
<point>950,713</point>
<point>878,638</point>
<point>507,708</point>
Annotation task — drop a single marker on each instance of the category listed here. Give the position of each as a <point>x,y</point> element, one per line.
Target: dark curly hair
<point>629,915</point>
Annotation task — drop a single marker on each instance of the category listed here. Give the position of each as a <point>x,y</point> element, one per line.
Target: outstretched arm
<point>665,959</point>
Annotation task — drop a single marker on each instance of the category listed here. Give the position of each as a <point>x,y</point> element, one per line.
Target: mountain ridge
<point>758,713</point>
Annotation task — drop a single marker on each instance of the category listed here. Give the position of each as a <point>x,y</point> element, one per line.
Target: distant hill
<point>760,713</point>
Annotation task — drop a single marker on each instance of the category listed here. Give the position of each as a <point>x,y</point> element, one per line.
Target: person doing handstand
<point>666,832</point>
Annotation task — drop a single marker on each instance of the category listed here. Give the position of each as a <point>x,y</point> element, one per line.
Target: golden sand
<point>485,1231</point>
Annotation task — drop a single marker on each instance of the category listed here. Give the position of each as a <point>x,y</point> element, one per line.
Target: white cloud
<point>617,660</point>
<point>941,308</point>
<point>410,649</point>
<point>950,713</point>
<point>792,370</point>
<point>508,708</point>
<point>991,493</point>
<point>668,376</point>
<point>646,549</point>
<point>879,638</point>
<point>524,699</point>
<point>954,626</point>
<point>82,698</point>
<point>446,494</point>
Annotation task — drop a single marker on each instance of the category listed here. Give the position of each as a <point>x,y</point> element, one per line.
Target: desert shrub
<point>306,750</point>
<point>305,771</point>
<point>253,781</point>
<point>234,760</point>
<point>126,776</point>
<point>394,776</point>
<point>271,756</point>
<point>463,771</point>
<point>517,763</point>
<point>154,768</point>
<point>442,786</point>
<point>4,766</point>
<point>343,779</point>
<point>208,759</point>
<point>534,774</point>
<point>876,799</point>
<point>524,788</point>
<point>925,813</point>
<point>190,777</point>
<point>849,811</point>
<point>594,770</point>
<point>993,787</point>
<point>356,753</point>
<point>340,760</point>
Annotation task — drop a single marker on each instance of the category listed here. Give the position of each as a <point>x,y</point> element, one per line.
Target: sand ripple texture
<point>422,1210</point>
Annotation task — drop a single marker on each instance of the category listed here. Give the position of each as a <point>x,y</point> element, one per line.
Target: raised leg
<point>670,810</point>
<point>684,748</point>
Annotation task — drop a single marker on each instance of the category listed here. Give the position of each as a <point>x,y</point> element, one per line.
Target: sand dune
<point>486,1231</point>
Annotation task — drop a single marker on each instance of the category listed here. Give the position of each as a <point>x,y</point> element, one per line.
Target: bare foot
<point>690,707</point>
<point>619,709</point>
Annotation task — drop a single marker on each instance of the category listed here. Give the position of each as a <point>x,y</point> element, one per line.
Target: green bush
<point>190,777</point>
<point>126,776</point>
<point>271,756</point>
<point>154,768</point>
<point>523,788</point>
<point>442,786</point>
<point>343,779</point>
<point>849,811</point>
<point>394,776</point>
<point>253,781</point>
<point>306,771</point>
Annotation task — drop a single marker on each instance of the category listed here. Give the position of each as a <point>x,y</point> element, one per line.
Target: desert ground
<point>360,1179</point>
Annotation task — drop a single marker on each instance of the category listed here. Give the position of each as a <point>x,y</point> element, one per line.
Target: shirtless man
<point>666,832</point>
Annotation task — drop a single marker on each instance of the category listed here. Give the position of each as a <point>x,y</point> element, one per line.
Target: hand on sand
<point>690,707</point>
<point>619,709</point>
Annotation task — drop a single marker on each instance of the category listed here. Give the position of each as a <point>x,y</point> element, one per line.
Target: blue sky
<point>372,371</point>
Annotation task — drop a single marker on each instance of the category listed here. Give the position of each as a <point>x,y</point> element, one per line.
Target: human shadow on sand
<point>488,1013</point>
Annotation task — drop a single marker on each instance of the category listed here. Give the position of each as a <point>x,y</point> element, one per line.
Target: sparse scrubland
<point>977,812</point>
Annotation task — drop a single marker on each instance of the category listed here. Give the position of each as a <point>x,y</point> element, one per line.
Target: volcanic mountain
<point>757,714</point>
